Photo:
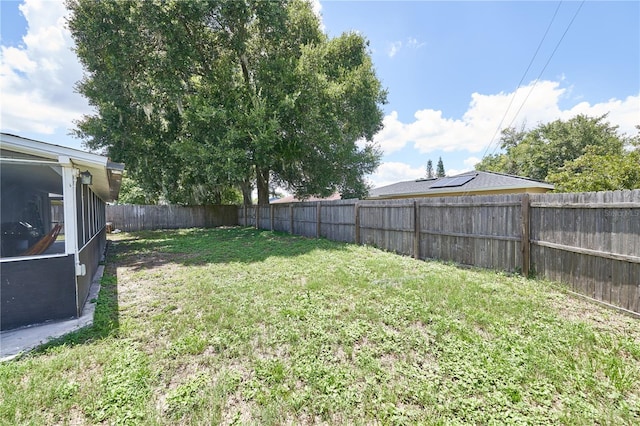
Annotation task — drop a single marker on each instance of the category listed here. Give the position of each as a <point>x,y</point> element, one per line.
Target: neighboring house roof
<point>469,183</point>
<point>293,199</point>
<point>107,176</point>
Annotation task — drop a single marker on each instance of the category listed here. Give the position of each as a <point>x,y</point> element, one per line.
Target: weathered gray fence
<point>480,231</point>
<point>138,217</point>
<point>590,241</point>
<point>333,220</point>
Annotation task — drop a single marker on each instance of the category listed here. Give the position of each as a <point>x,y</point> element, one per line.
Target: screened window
<point>31,209</point>
<point>91,218</point>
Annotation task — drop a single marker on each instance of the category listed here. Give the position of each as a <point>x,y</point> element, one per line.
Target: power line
<point>547,63</point>
<point>513,96</point>
<point>539,75</point>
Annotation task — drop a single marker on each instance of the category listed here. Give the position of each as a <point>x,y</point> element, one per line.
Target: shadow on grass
<point>106,318</point>
<point>149,249</point>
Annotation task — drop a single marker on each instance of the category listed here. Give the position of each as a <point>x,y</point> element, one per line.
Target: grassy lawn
<point>253,327</point>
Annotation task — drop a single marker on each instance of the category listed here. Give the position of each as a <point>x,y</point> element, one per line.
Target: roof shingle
<point>480,181</point>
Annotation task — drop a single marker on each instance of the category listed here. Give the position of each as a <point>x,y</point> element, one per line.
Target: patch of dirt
<point>154,260</point>
<point>75,417</point>
<point>604,319</point>
<point>143,292</point>
<point>238,410</point>
<point>263,348</point>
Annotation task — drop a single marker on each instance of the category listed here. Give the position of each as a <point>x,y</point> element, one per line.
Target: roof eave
<point>107,174</point>
<point>462,189</point>
<point>43,149</point>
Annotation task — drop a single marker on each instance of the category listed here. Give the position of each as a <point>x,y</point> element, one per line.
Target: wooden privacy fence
<point>333,220</point>
<point>128,217</point>
<point>591,241</point>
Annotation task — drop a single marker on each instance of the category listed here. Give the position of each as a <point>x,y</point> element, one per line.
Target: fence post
<point>318,208</point>
<point>291,219</point>
<point>525,243</point>
<point>257,216</point>
<point>357,222</point>
<point>271,215</point>
<point>245,215</point>
<point>416,230</point>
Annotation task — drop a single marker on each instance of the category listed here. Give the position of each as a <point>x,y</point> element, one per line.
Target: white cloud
<point>481,123</point>
<point>317,10</point>
<point>453,172</point>
<point>471,161</point>
<point>18,59</point>
<point>37,78</point>
<point>414,43</point>
<point>392,137</point>
<point>392,172</point>
<point>394,48</point>
<point>623,113</point>
<point>317,7</point>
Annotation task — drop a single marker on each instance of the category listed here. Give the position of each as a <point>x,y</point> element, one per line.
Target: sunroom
<point>52,228</point>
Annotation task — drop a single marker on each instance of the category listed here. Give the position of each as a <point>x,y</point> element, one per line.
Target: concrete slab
<point>25,339</point>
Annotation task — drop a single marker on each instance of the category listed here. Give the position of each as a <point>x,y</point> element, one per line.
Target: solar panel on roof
<point>449,182</point>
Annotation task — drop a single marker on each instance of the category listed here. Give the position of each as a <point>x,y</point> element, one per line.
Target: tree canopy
<point>580,154</point>
<point>430,174</point>
<point>440,168</point>
<point>200,96</point>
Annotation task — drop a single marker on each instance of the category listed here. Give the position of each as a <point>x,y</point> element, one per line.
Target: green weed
<point>241,326</point>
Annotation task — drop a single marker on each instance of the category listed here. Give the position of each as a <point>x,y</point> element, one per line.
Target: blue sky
<point>453,71</point>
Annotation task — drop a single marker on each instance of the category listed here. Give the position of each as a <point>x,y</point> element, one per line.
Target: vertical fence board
<point>590,241</point>
<point>138,217</point>
<point>336,220</point>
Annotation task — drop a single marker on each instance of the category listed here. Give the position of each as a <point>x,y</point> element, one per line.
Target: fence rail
<point>590,241</point>
<point>140,217</point>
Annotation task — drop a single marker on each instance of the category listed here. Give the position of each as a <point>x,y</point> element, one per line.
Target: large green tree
<point>580,154</point>
<point>598,171</point>
<point>197,96</point>
<point>594,171</point>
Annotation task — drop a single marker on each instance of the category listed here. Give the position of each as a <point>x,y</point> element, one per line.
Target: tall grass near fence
<point>590,241</point>
<point>245,326</point>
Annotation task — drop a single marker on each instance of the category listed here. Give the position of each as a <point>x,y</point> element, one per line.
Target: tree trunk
<point>263,186</point>
<point>217,198</point>
<point>246,192</point>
